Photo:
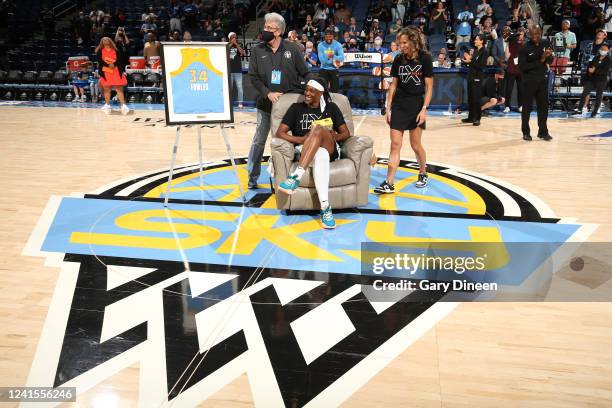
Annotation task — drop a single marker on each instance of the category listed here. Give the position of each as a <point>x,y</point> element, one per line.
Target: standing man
<point>533,62</point>
<point>236,54</point>
<point>565,42</point>
<point>331,57</point>
<point>465,19</point>
<point>275,67</point>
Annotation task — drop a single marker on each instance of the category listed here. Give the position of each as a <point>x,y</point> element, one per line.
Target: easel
<point>203,49</point>
<point>201,167</point>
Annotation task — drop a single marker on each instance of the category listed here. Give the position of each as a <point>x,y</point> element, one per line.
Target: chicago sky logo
<point>207,290</point>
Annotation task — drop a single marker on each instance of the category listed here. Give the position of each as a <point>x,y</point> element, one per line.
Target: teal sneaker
<point>289,185</point>
<point>327,218</point>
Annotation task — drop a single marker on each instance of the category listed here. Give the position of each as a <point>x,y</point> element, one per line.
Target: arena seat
<point>14,76</point>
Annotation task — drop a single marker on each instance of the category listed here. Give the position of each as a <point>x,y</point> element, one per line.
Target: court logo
<point>209,289</point>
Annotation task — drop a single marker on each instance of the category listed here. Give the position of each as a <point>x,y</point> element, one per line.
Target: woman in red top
<point>111,66</point>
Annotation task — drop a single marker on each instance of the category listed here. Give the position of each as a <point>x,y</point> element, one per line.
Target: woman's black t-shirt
<point>411,74</point>
<point>299,117</point>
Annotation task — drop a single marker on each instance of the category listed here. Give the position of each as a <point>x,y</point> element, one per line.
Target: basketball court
<point>215,303</point>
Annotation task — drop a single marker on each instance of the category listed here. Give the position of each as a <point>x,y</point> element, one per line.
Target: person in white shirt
<point>564,43</point>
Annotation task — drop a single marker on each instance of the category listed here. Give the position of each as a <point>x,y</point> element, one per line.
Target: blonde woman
<point>407,100</point>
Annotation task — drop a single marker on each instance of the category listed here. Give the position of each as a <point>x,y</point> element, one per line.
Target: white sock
<point>298,172</point>
<point>324,204</point>
<point>320,171</point>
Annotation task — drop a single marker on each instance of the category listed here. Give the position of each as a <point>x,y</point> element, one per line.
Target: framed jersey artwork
<point>196,83</point>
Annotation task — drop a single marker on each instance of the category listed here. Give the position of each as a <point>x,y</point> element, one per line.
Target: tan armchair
<point>349,177</point>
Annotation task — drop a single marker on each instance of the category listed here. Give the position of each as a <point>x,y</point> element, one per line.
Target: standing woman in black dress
<point>407,100</point>
<point>477,61</point>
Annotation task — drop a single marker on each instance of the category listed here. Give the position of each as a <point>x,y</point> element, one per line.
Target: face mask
<point>308,50</point>
<point>603,53</point>
<point>267,36</point>
<point>378,43</point>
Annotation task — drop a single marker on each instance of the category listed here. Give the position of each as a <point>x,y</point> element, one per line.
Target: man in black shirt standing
<point>534,59</point>
<point>275,67</point>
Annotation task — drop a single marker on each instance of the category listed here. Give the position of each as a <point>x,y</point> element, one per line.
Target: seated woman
<point>316,126</point>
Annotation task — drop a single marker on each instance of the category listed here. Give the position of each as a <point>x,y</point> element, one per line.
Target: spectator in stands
<point>513,73</point>
<point>309,29</point>
<point>600,38</point>
<point>190,16</point>
<point>465,19</point>
<point>119,18</point>
<point>82,29</point>
<point>499,48</point>
<point>395,27</point>
<point>112,73</point>
<point>236,53</point>
<point>375,29</point>
<point>591,23</point>
<point>320,17</point>
<point>310,56</point>
<point>346,37</point>
<point>378,46</point>
<point>148,12</point>
<point>476,63</point>
<point>331,26</point>
<point>353,28</point>
<point>187,36</point>
<point>175,36</point>
<point>438,19</point>
<point>442,61</point>
<point>608,19</point>
<point>304,39</point>
<point>217,29</point>
<point>78,80</point>
<point>564,43</point>
<point>492,91</point>
<point>148,27</point>
<point>381,12</point>
<point>94,85</point>
<point>122,41</point>
<point>96,16</point>
<point>353,47</point>
<point>292,37</point>
<point>481,9</point>
<point>175,12</point>
<point>596,79</point>
<point>270,82</point>
<point>331,57</point>
<point>491,14</point>
<point>398,9</point>
<point>342,14</point>
<point>151,48</point>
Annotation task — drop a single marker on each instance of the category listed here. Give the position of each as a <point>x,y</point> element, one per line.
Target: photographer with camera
<point>564,43</point>
<point>533,62</point>
<point>513,73</point>
<point>596,79</point>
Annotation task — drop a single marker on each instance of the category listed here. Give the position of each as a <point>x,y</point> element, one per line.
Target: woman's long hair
<point>416,37</point>
<point>101,45</point>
